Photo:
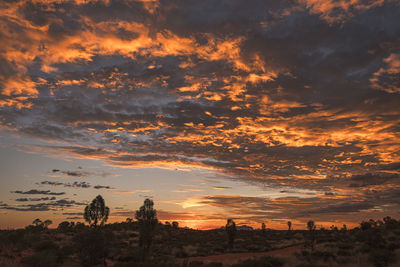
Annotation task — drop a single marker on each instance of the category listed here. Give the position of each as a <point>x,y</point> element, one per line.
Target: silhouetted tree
<point>365,225</point>
<point>175,225</point>
<point>289,223</point>
<point>263,228</point>
<point>390,223</point>
<point>65,226</point>
<point>37,222</point>
<point>47,223</point>
<point>334,228</point>
<point>96,212</point>
<point>311,232</point>
<point>231,231</point>
<point>92,245</point>
<point>39,225</point>
<point>147,220</point>
<point>311,226</point>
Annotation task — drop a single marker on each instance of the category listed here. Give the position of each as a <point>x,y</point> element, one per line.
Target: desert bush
<point>307,264</point>
<point>342,245</point>
<point>202,264</point>
<point>196,264</point>
<point>316,255</point>
<point>323,255</point>
<point>267,261</point>
<point>67,250</point>
<point>19,239</point>
<point>254,247</point>
<point>128,255</point>
<point>163,262</point>
<point>344,253</point>
<point>91,247</point>
<point>218,250</point>
<point>45,245</point>
<point>65,227</point>
<point>190,250</point>
<point>46,258</point>
<point>181,253</point>
<point>381,257</point>
<point>79,226</point>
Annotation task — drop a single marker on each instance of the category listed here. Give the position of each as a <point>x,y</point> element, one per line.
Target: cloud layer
<point>299,93</point>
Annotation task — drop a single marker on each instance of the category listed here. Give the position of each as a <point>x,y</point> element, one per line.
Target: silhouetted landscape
<point>143,241</point>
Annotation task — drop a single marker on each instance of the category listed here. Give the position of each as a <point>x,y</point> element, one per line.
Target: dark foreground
<point>374,243</point>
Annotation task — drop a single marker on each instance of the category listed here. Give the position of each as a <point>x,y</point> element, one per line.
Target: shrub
<point>91,246</point>
<point>202,264</point>
<point>47,258</point>
<point>45,245</point>
<point>267,261</point>
<point>381,257</point>
<point>65,227</point>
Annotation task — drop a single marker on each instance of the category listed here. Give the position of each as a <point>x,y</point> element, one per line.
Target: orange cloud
<point>339,10</point>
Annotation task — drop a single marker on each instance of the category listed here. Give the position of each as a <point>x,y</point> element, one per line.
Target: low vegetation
<point>148,242</point>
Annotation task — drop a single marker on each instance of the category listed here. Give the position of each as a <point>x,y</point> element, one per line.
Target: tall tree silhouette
<point>92,244</point>
<point>96,212</point>
<point>311,231</point>
<point>147,220</point>
<point>231,231</point>
<point>289,223</point>
<point>311,225</point>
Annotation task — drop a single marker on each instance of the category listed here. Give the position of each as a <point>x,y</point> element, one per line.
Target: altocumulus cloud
<point>38,192</point>
<point>44,206</point>
<point>301,92</point>
<point>76,185</point>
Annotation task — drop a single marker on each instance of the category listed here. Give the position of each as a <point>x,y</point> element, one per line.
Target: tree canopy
<point>96,212</point>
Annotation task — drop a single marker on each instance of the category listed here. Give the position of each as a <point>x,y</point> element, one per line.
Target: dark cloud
<point>35,199</point>
<point>371,179</point>
<point>75,173</point>
<point>55,205</point>
<point>345,208</point>
<point>329,207</point>
<point>75,185</point>
<point>102,187</point>
<point>38,192</point>
<point>81,174</point>
<point>391,167</point>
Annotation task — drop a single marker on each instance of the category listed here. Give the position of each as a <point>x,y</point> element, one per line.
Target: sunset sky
<point>256,110</point>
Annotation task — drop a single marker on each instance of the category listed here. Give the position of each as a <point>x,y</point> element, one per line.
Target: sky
<point>258,110</point>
